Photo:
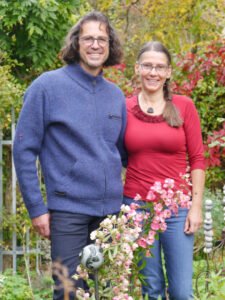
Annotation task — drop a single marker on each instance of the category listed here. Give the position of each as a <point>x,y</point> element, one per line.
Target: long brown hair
<point>170,112</point>
<point>70,51</point>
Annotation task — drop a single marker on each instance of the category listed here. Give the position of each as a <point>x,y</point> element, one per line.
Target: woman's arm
<point>194,217</point>
<point>195,152</point>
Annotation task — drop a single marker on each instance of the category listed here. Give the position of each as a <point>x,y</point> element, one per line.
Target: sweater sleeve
<point>27,147</point>
<point>120,143</point>
<point>193,134</point>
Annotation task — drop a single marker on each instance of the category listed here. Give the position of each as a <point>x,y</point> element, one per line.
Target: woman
<point>162,131</point>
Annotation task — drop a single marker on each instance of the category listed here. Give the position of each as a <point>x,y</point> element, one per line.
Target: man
<point>73,120</point>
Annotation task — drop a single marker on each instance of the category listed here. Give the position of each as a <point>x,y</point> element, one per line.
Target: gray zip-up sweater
<point>74,122</point>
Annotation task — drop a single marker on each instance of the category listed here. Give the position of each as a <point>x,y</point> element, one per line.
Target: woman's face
<point>153,69</point>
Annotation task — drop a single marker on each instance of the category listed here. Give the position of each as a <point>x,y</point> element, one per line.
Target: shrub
<point>10,93</point>
<point>201,75</point>
<point>215,158</point>
<point>14,287</point>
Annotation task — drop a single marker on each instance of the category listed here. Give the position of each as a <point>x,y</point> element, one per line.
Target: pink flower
<point>170,193</point>
<point>137,197</point>
<point>118,236</point>
<point>146,215</point>
<point>134,206</point>
<point>131,214</point>
<point>134,246</point>
<point>148,253</point>
<point>116,290</point>
<point>167,213</point>
<point>125,247</point>
<point>157,187</point>
<point>150,196</point>
<point>158,207</point>
<point>189,204</point>
<point>150,240</point>
<point>168,183</point>
<point>152,233</point>
<point>142,242</point>
<point>139,217</point>
<point>86,296</point>
<point>168,202</point>
<point>158,218</point>
<point>163,226</point>
<point>163,194</point>
<point>127,263</point>
<point>174,208</point>
<point>125,283</point>
<point>155,226</point>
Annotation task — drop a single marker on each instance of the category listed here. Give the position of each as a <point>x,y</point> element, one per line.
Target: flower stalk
<point>126,238</point>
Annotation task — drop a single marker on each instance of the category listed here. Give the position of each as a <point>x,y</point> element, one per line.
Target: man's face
<point>94,46</point>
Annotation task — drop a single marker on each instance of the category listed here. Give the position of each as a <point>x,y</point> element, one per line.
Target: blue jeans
<point>177,248</point>
<point>70,233</point>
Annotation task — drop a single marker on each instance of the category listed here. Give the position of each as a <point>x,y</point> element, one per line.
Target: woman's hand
<point>193,221</point>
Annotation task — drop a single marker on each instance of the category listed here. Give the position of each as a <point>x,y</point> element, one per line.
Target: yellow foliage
<point>43,3</point>
<point>10,95</point>
<point>180,25</point>
<point>83,9</point>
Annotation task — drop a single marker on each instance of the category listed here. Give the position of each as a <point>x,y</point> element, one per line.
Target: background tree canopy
<point>180,25</point>
<point>32,32</point>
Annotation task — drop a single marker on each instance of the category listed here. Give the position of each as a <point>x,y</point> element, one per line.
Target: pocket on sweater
<point>112,127</point>
<point>84,180</point>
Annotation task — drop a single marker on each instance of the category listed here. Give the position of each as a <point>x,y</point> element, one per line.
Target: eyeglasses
<point>89,40</point>
<point>160,69</point>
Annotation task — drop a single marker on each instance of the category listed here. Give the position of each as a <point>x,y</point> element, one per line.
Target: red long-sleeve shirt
<point>157,151</point>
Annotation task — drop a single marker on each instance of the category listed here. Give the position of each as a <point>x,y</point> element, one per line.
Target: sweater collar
<point>83,78</point>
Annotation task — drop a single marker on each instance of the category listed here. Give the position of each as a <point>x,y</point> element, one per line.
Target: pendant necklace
<point>150,110</point>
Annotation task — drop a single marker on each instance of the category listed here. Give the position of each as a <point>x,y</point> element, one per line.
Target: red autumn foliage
<point>201,76</point>
<point>116,74</point>
<point>195,67</point>
<point>215,149</point>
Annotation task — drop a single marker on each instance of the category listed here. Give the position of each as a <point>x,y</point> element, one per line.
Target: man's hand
<point>41,224</point>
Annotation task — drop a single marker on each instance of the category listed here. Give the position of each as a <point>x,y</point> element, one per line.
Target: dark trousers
<point>70,233</point>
